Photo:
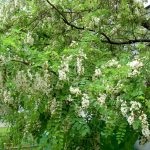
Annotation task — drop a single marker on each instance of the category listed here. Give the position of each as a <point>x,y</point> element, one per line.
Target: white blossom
<point>135,105</point>
<point>3,59</point>
<point>73,43</point>
<point>21,80</point>
<point>82,113</point>
<point>143,118</point>
<point>124,109</point>
<point>42,83</point>
<point>82,54</point>
<point>69,98</point>
<point>20,109</point>
<point>64,67</point>
<point>135,64</point>
<point>96,20</point>
<point>7,98</point>
<point>133,73</point>
<point>80,68</point>
<point>119,100</point>
<point>113,63</point>
<point>97,73</point>
<point>75,90</point>
<point>62,75</point>
<point>145,125</point>
<point>130,119</point>
<point>85,101</point>
<point>29,39</point>
<point>146,132</point>
<point>101,99</point>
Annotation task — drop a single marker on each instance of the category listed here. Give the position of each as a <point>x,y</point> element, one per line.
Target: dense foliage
<point>75,74</point>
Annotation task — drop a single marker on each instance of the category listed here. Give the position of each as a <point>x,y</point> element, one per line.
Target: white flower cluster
<point>128,112</point>
<point>29,39</point>
<point>131,118</point>
<point>21,80</point>
<point>85,101</point>
<point>135,106</point>
<point>73,44</point>
<point>3,60</point>
<point>7,98</point>
<point>145,126</point>
<point>131,114</point>
<point>69,98</point>
<point>64,68</point>
<point>118,87</point>
<point>135,65</point>
<point>16,3</point>
<point>42,83</point>
<point>97,73</point>
<point>33,82</point>
<point>113,63</point>
<point>96,20</point>
<point>20,109</point>
<point>101,99</point>
<point>75,90</point>
<point>124,108</point>
<point>81,56</point>
<point>82,113</point>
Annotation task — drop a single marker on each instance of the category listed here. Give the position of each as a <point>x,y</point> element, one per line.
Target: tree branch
<point>28,63</point>
<point>20,61</point>
<point>108,40</point>
<point>63,17</point>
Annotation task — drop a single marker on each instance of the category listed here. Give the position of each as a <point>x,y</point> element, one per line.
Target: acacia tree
<point>75,74</point>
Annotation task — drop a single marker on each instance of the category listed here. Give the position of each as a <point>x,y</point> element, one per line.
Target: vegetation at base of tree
<point>75,74</point>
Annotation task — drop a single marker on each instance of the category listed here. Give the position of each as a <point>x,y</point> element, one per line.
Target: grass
<point>25,145</point>
<point>3,133</point>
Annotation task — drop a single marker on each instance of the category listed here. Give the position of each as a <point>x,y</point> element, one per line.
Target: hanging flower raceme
<point>135,66</point>
<point>6,96</point>
<point>145,125</point>
<point>85,101</point>
<point>124,108</point>
<point>131,118</point>
<point>21,80</point>
<point>101,99</point>
<point>64,68</point>
<point>80,68</point>
<point>97,73</point>
<point>135,106</point>
<point>81,112</point>
<point>41,83</point>
<point>113,63</point>
<point>3,59</point>
<point>29,39</point>
<point>132,113</point>
<point>75,90</point>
